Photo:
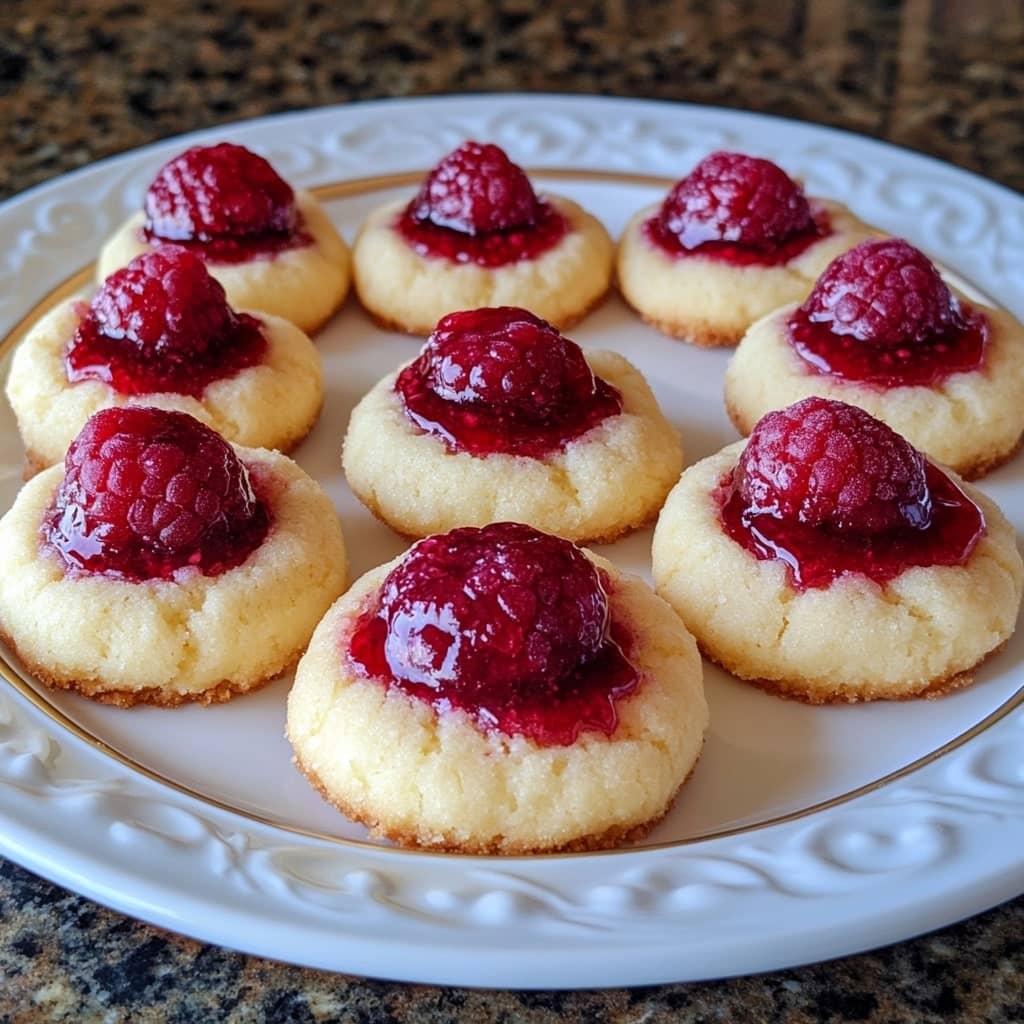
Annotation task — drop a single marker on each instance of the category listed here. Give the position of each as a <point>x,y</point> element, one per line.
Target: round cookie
<point>921,632</point>
<point>304,278</point>
<point>432,777</point>
<point>409,289</point>
<point>402,289</point>
<point>712,292</point>
<point>206,638</point>
<point>272,404</point>
<point>970,418</point>
<point>605,481</point>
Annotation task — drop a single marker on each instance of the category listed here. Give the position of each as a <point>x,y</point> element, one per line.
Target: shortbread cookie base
<point>193,638</point>
<point>710,302</point>
<point>271,405</point>
<point>157,696</point>
<point>610,480</point>
<point>970,421</point>
<point>424,778</point>
<point>854,640</point>
<point>610,838</point>
<point>412,292</point>
<point>304,285</point>
<point>932,691</point>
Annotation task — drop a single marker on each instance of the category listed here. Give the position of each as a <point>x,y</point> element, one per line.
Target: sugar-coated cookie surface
<point>921,632</point>
<point>600,485</point>
<point>270,405</point>
<point>201,638</point>
<point>403,289</point>
<point>304,285</point>
<point>418,777</point>
<point>711,302</point>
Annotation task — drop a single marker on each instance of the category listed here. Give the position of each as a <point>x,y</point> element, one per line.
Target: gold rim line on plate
<point>75,282</point>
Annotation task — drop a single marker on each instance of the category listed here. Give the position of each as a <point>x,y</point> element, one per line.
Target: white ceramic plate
<point>805,833</point>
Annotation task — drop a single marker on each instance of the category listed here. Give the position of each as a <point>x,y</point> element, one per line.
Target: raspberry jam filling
<point>477,206</point>
<point>924,363</point>
<point>502,380</point>
<point>881,314</point>
<point>736,254</point>
<point>828,489</point>
<point>508,624</point>
<point>492,249</point>
<point>243,249</point>
<point>816,556</point>
<point>94,355</point>
<point>739,210</point>
<point>147,493</point>
<point>224,202</point>
<point>162,324</point>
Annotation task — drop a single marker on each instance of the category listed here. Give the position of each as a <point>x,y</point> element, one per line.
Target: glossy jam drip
<point>478,430</point>
<point>147,493</point>
<point>510,625</point>
<point>490,249</point>
<point>501,379</point>
<point>816,556</point>
<point>920,363</point>
<point>245,248</point>
<point>583,702</point>
<point>737,254</point>
<point>132,370</point>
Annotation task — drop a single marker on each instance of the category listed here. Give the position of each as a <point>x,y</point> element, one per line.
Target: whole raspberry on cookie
<point>214,191</point>
<point>147,491</point>
<point>830,464</point>
<point>502,380</point>
<point>508,359</point>
<point>165,303</point>
<point>885,293</point>
<point>487,611</point>
<point>162,324</point>
<point>731,197</point>
<point>504,622</point>
<point>477,189</point>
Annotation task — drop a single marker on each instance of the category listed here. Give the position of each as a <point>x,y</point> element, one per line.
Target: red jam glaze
<point>508,624</point>
<point>735,253</point>
<point>162,324</point>
<point>918,364</point>
<point>490,249</point>
<point>130,370</point>
<point>243,249</point>
<point>148,492</point>
<point>815,556</point>
<point>502,380</point>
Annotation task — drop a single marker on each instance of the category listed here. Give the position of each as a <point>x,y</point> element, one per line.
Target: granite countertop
<point>79,81</point>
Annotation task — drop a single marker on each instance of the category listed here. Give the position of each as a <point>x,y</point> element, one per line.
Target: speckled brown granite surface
<point>80,81</point>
